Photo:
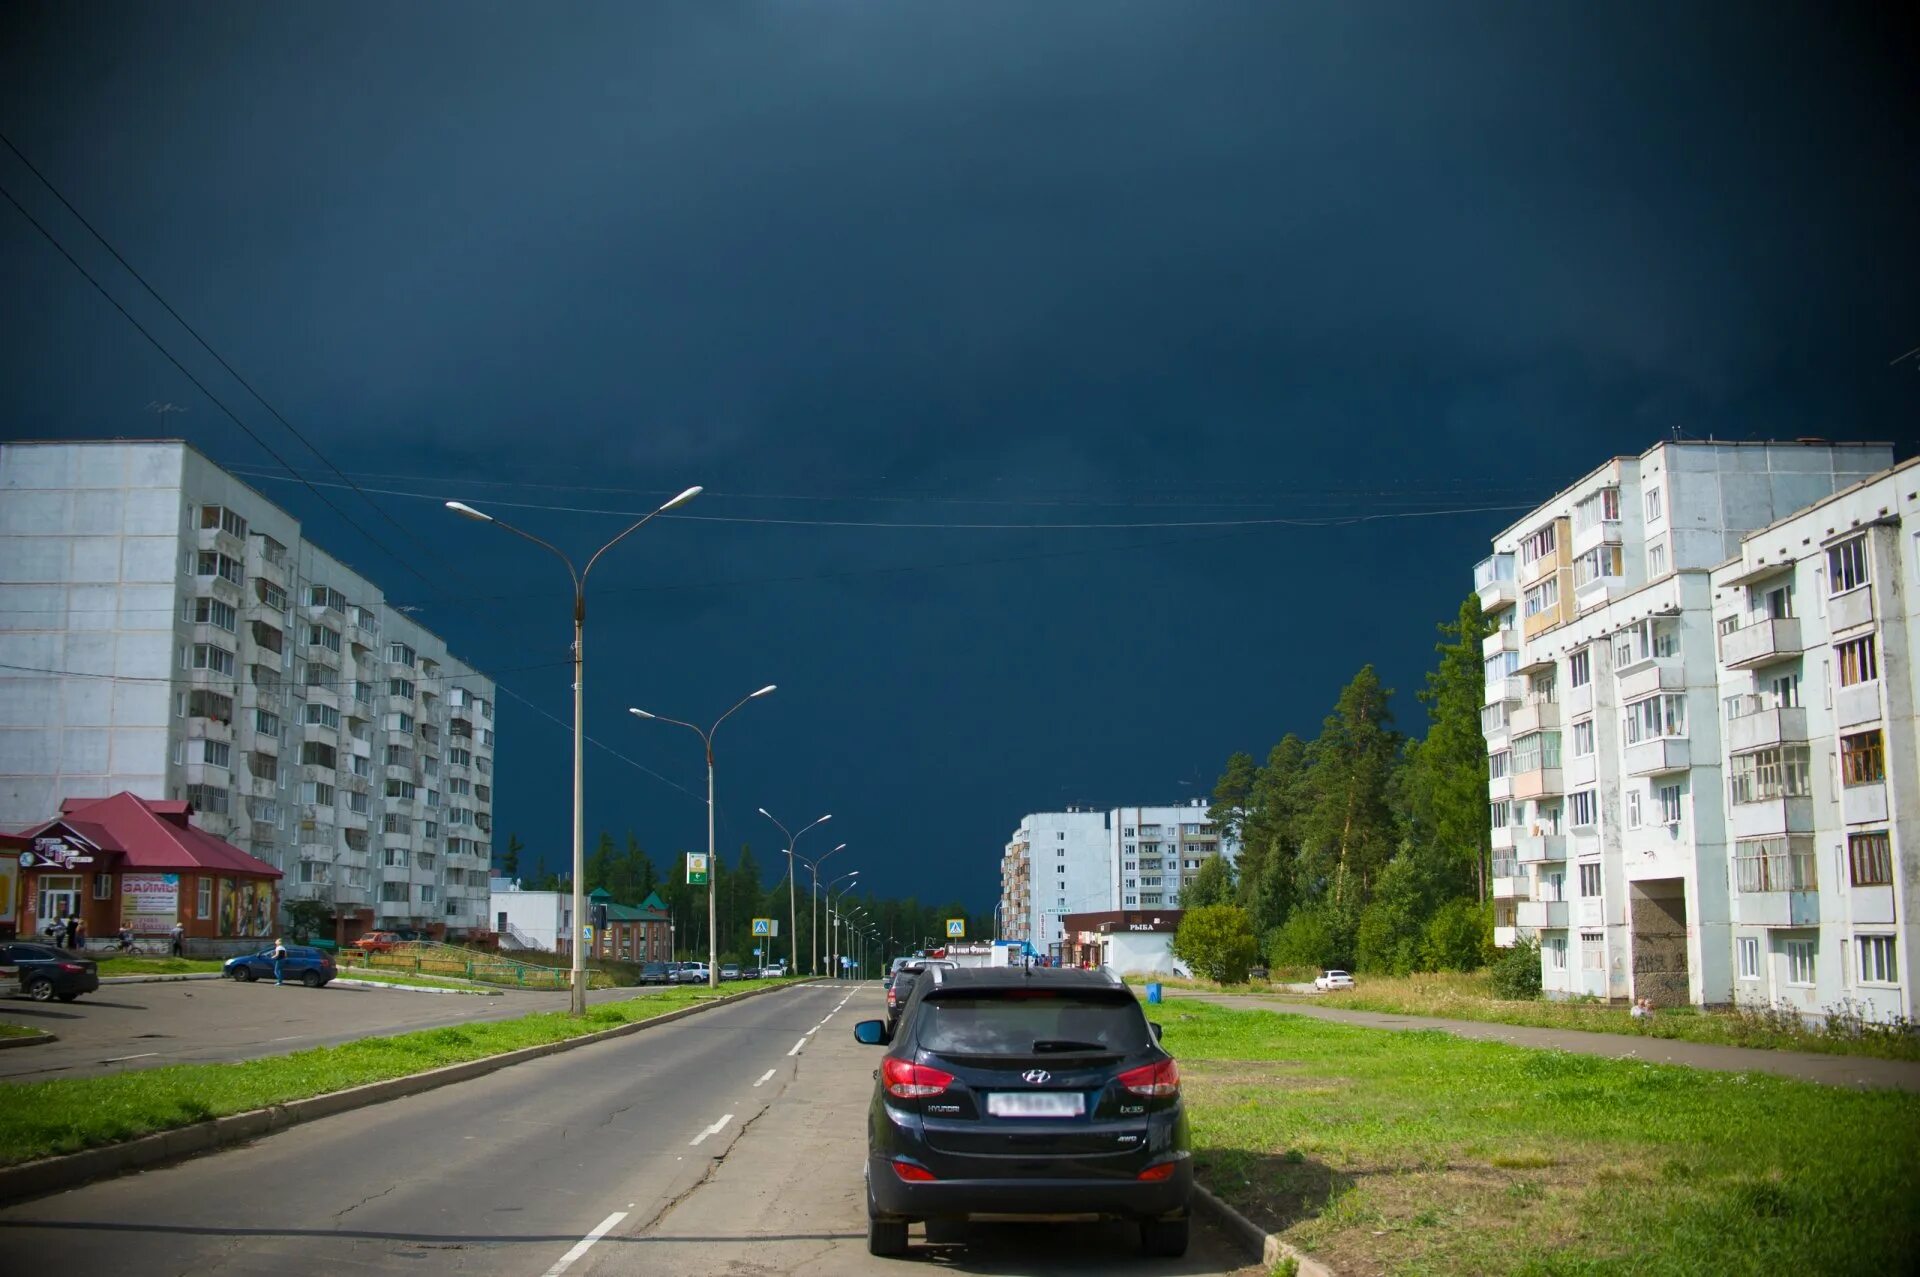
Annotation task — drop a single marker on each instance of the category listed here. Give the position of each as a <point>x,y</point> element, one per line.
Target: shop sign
<point>149,903</point>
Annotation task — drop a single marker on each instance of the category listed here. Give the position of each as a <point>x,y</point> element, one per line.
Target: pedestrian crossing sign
<point>956,928</point>
<point>765,927</point>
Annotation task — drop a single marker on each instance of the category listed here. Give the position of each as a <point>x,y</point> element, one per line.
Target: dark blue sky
<point>1033,264</point>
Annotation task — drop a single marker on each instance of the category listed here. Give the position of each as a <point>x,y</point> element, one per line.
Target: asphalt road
<point>137,1026</point>
<point>727,1143</point>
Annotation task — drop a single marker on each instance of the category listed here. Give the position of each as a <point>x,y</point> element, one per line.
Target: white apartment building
<point>167,630</point>
<point>1085,860</point>
<point>1603,716</point>
<point>1818,678</point>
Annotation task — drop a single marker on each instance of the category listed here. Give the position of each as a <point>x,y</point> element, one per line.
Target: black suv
<point>899,985</point>
<point>1012,1091</point>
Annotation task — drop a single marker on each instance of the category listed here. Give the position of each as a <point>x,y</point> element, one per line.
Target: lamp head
<point>466,511</point>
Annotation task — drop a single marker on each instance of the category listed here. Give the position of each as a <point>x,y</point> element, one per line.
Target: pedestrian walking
<point>279,957</point>
<point>179,940</point>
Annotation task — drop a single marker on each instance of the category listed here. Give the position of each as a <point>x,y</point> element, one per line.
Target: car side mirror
<point>870,1032</point>
<point>1156,1029</point>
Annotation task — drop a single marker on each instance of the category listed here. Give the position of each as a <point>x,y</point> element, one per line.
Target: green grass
<point>38,1119</point>
<point>1470,997</point>
<point>1420,1152</point>
<point>18,1031</point>
<point>144,965</point>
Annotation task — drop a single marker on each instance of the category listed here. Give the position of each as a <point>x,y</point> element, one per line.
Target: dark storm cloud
<point>1147,254</point>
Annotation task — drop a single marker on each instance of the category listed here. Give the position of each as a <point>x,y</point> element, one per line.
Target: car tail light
<point>74,967</point>
<point>1157,1173</point>
<point>913,1174</point>
<point>1155,1081</point>
<point>909,1081</point>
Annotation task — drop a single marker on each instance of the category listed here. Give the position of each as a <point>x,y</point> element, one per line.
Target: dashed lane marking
<point>585,1244</point>
<point>711,1130</point>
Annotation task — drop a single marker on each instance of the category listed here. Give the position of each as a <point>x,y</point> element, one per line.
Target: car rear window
<point>1014,1021</point>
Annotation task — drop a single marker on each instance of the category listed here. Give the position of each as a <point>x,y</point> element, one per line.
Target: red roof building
<point>133,862</point>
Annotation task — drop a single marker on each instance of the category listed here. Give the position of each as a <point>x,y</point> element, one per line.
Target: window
<point>393,893</point>
<point>1780,772</point>
<point>1643,642</point>
<point>1670,804</point>
<point>1633,809</point>
<point>360,765</point>
<point>1554,950</point>
<point>1783,862</point>
<point>400,789</point>
<point>178,754</point>
<point>333,600</point>
<point>208,798</point>
<point>210,563</point>
<point>103,886</point>
<point>1597,564</point>
<point>1583,738</point>
<point>214,612</point>
<point>1656,717</point>
<point>396,857</point>
<point>1593,951</point>
<point>1580,668</point>
<point>1583,807</point>
<point>1863,760</point>
<point>400,687</point>
<point>265,723</point>
<point>316,794</point>
<point>323,636</point>
<point>211,656</point>
<point>1800,954</point>
<point>1602,507</point>
<point>400,723</point>
<point>323,716</point>
<point>317,754</point>
<point>1859,662</point>
<point>1590,880</point>
<point>1535,751</point>
<point>1847,566</point>
<point>1748,947</point>
<point>1539,545</point>
<point>270,594</point>
<point>1876,960</point>
<point>402,653</point>
<point>203,903</point>
<point>1654,506</point>
<point>1498,765</point>
<point>1657,558</point>
<point>1785,690</point>
<point>1543,597</point>
<point>216,753</point>
<point>393,823</point>
<point>356,802</point>
<point>202,703</point>
<point>1871,857</point>
<point>1500,812</point>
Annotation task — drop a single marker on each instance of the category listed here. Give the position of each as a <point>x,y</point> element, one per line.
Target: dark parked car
<point>655,973</point>
<point>1016,1092</point>
<point>47,973</point>
<point>310,966</point>
<point>899,985</point>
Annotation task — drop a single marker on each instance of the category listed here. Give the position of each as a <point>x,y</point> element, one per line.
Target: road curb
<point>1268,1246</point>
<point>69,1170</point>
<point>158,978</point>
<point>349,983</point>
<point>39,1038</point>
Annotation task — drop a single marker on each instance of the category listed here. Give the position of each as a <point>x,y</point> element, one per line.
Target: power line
<point>201,386</point>
<point>206,346</point>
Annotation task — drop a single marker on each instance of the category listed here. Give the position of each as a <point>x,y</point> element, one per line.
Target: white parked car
<point>693,973</point>
<point>1329,980</point>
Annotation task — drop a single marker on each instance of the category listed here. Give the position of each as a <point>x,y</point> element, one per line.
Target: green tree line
<point>743,891</point>
<point>1363,848</point>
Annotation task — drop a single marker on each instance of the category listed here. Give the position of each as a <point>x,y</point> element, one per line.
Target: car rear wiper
<point>1067,1044</point>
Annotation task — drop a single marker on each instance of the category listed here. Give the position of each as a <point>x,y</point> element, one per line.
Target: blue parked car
<point>310,966</point>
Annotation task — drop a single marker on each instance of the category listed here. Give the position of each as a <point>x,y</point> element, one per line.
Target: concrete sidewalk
<point>1807,1066</point>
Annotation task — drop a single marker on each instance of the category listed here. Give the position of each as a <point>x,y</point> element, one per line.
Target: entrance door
<point>59,897</point>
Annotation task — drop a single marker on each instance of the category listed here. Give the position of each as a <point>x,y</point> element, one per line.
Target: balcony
<point>1599,591</point>
<point>1501,640</point>
<point>1510,881</point>
<point>1499,789</point>
<point>1541,915</point>
<point>1863,804</point>
<point>1761,643</point>
<point>1850,610</point>
<point>1538,783</point>
<point>1771,816</point>
<point>1493,582</point>
<point>1506,937</point>
<point>1541,848</point>
<point>1501,838</point>
<point>1857,704</point>
<point>1507,690</point>
<point>1755,725</point>
<point>1534,715</point>
<point>1644,678</point>
<point>1659,757</point>
<point>1777,908</point>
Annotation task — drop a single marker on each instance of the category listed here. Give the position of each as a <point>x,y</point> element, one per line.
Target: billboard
<point>149,902</point>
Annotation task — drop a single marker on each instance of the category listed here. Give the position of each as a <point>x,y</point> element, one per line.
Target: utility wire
<point>217,356</point>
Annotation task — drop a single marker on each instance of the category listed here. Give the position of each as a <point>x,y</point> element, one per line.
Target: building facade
<point>168,631</point>
<point>1084,859</point>
<point>1816,622</point>
<point>1128,941</point>
<point>1603,716</point>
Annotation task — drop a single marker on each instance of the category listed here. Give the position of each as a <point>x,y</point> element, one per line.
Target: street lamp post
<point>706,739</point>
<point>576,940</point>
<point>793,871</point>
<point>827,891</point>
<point>833,912</point>
<point>813,911</point>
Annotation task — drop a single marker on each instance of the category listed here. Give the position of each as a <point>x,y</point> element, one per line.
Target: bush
<point>1217,942</point>
<point>1457,937</point>
<point>1516,972</point>
<point>1308,939</point>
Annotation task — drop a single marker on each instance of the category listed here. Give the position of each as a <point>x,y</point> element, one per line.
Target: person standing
<point>279,958</point>
<point>73,929</point>
<point>179,939</point>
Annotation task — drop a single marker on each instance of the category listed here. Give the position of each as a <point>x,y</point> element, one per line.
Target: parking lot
<point>134,1026</point>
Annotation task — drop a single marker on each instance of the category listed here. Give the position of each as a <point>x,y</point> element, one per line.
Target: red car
<point>377,942</point>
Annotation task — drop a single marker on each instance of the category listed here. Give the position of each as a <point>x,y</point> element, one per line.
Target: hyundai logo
<point>1039,1077</point>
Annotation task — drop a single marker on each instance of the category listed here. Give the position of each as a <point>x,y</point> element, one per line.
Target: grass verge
<point>1469,996</point>
<point>142,965</point>
<point>39,1119</point>
<point>1415,1151</point>
<point>18,1031</point>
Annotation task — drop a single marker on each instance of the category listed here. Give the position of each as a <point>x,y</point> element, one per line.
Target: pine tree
<point>1213,885</point>
<point>1269,854</point>
<point>1444,786</point>
<point>1348,825</point>
<point>510,858</point>
<point>1233,798</point>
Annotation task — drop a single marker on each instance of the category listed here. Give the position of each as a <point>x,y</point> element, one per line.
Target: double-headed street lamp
<point>833,914</point>
<point>706,739</point>
<point>793,870</point>
<point>825,896</point>
<point>813,908</point>
<point>576,940</point>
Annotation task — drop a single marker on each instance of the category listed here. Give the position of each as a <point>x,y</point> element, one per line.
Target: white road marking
<point>711,1130</point>
<point>765,1078</point>
<point>797,1046</point>
<point>291,1038</point>
<point>585,1244</point>
<point>142,1056</point>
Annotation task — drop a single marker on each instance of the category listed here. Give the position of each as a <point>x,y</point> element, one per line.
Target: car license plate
<point>1036,1103</point>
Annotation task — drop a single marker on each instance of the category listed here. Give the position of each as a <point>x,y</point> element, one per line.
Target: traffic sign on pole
<point>769,927</point>
<point>956,928</point>
<point>696,869</point>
